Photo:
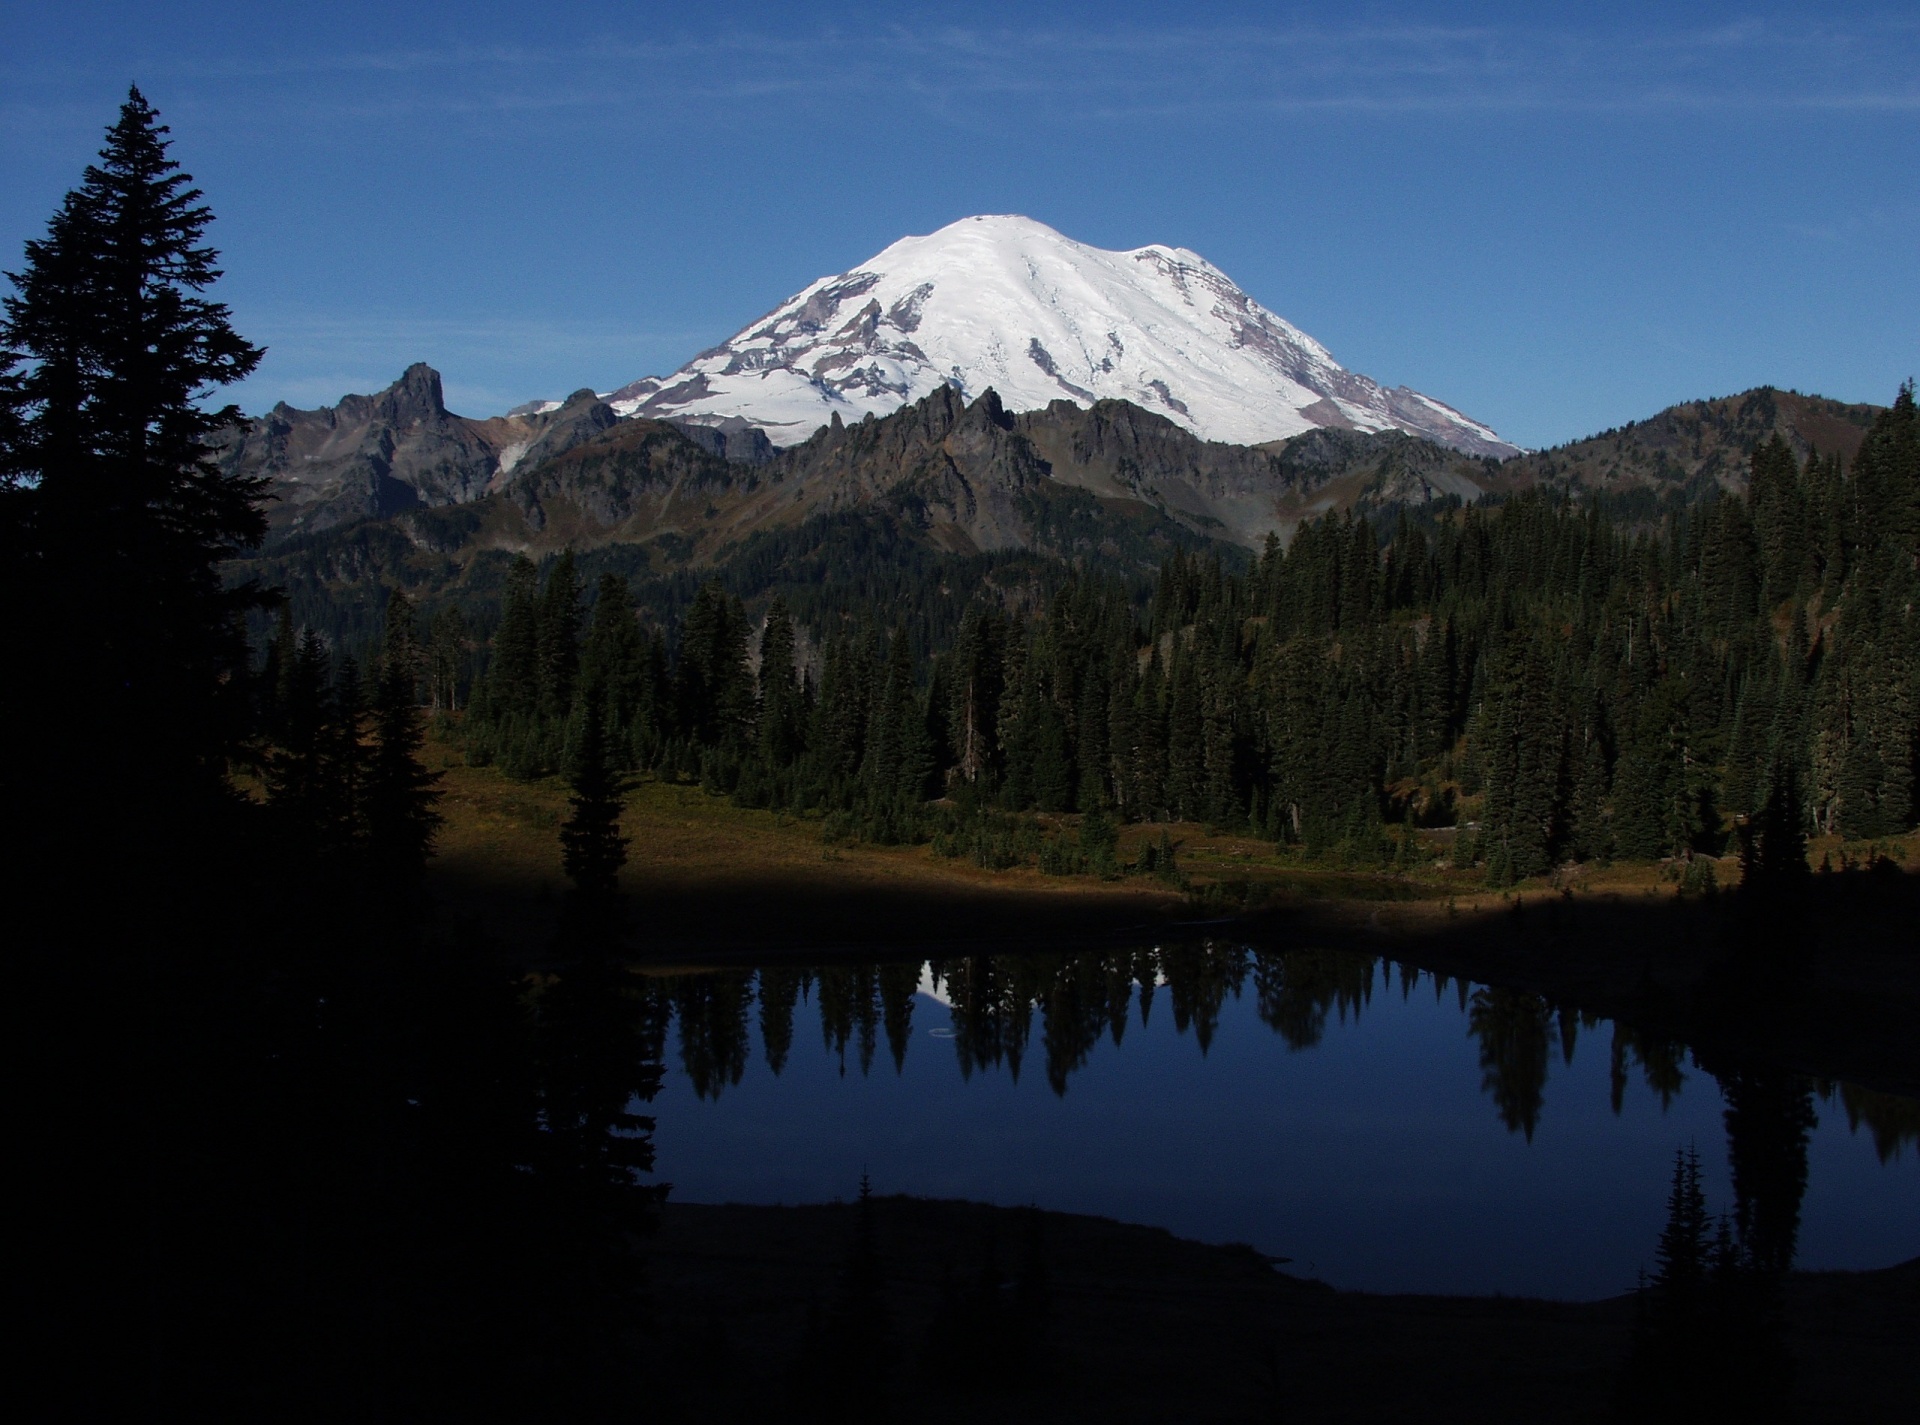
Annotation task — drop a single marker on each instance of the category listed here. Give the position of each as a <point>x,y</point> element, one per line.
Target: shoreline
<point>1134,1323</point>
<point>1831,989</point>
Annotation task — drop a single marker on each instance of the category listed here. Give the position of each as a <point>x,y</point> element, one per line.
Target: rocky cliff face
<point>396,450</point>
<point>971,476</point>
<point>1104,478</point>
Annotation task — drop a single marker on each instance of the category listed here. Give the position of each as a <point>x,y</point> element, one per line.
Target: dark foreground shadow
<point>1010,1315</point>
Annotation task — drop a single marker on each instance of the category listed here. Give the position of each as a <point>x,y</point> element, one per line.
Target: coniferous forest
<point>305,1141</point>
<point>1574,685</point>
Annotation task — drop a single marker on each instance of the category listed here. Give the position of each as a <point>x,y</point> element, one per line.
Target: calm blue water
<point>1392,1154</point>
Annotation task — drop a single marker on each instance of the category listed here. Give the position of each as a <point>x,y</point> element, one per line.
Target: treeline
<point>1576,688</point>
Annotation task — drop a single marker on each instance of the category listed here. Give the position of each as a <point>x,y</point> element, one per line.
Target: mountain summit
<point>1008,303</point>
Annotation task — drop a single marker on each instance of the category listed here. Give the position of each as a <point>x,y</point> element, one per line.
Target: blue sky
<point>1557,218</point>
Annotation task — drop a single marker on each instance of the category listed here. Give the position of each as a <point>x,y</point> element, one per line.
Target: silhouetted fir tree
<point>372,1179</point>
<point>1773,841</point>
<point>592,847</point>
<point>400,792</point>
<point>1681,1256</point>
<point>112,352</point>
<point>1706,1334</point>
<point>298,767</point>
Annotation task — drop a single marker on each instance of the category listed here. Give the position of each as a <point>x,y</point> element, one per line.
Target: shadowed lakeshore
<point>1826,983</point>
<point>1135,1324</point>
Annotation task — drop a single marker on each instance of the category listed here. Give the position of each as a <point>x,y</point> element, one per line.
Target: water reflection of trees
<point>1893,1121</point>
<point>1512,1027</point>
<point>1080,998</point>
<point>1296,989</point>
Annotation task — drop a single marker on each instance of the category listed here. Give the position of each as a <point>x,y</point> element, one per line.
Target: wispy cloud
<point>966,75</point>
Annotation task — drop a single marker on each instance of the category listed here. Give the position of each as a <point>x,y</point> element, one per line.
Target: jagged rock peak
<point>1006,302</point>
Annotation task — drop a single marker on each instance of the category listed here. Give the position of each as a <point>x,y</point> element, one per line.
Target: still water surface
<point>1385,1130</point>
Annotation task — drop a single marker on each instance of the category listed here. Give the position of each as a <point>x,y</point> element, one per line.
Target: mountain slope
<point>976,477</point>
<point>1009,304</point>
<point>1699,443</point>
<point>943,479</point>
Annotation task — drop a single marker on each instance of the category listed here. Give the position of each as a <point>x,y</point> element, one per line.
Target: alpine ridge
<point>1005,302</point>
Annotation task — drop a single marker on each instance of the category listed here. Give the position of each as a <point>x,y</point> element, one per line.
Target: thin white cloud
<point>1745,66</point>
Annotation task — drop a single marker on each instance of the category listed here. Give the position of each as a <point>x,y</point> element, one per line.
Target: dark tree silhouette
<point>592,847</point>
<point>400,793</point>
<point>112,351</point>
<point>1706,1337</point>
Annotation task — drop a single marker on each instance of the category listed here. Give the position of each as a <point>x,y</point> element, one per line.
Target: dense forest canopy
<point>1571,682</point>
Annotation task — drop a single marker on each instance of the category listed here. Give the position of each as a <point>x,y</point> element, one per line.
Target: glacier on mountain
<point>1006,302</point>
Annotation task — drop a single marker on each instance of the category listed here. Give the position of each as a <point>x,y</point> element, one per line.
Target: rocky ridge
<point>965,476</point>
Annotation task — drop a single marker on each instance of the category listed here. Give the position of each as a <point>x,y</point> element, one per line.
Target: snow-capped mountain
<point>1008,303</point>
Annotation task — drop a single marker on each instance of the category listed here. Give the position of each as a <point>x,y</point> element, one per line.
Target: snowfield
<point>1008,303</point>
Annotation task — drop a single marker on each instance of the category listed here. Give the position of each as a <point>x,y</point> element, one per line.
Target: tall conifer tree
<point>400,792</point>
<point>118,513</point>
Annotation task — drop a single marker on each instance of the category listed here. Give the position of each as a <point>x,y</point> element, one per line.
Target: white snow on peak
<point>1006,302</point>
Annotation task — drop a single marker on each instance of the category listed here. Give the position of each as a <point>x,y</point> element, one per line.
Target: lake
<point>1383,1129</point>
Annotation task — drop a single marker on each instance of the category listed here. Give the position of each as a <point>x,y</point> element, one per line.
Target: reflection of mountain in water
<point>1079,999</point>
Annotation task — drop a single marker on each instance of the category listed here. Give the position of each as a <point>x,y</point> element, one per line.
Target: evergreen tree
<point>613,660</point>
<point>400,793</point>
<point>513,680</point>
<point>592,847</point>
<point>298,766</point>
<point>781,717</point>
<point>111,351</point>
<point>1773,842</point>
<point>557,638</point>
